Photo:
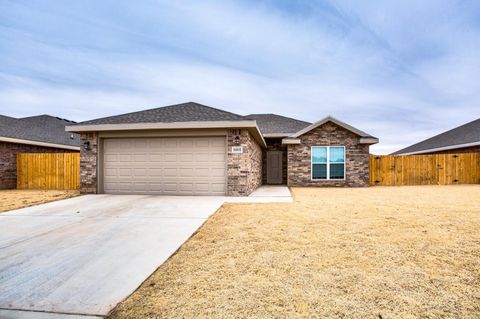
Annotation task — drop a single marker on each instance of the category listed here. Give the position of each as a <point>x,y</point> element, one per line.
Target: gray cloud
<point>401,71</point>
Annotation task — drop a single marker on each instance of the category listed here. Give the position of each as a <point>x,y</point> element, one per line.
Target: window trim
<point>328,164</point>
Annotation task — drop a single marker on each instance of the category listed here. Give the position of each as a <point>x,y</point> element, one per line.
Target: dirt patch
<point>382,252</point>
<point>13,199</point>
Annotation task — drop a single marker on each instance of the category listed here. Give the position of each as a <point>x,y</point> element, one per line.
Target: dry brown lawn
<point>382,252</point>
<point>13,199</point>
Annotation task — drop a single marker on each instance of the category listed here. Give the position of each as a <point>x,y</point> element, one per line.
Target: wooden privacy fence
<point>48,171</point>
<point>435,169</point>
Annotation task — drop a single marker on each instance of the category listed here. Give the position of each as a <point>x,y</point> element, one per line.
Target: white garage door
<point>169,166</point>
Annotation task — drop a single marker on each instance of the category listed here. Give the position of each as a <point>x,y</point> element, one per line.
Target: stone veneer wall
<point>275,144</point>
<point>8,160</point>
<point>329,134</point>
<point>244,171</point>
<point>88,163</point>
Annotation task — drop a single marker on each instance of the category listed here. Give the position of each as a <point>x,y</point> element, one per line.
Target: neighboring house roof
<point>466,135</point>
<point>273,125</point>
<point>185,112</point>
<point>42,130</point>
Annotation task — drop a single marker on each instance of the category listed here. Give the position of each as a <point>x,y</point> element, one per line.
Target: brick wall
<point>244,171</point>
<point>8,160</point>
<point>88,164</point>
<point>329,134</point>
<point>275,144</point>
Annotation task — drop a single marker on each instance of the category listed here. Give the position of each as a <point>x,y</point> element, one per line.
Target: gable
<point>330,125</point>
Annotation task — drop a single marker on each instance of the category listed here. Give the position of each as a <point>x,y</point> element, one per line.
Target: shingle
<point>185,112</point>
<point>41,128</point>
<point>277,124</point>
<point>467,133</point>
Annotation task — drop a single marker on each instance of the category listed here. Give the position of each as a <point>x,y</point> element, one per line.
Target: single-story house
<point>462,139</point>
<point>35,134</point>
<point>193,149</point>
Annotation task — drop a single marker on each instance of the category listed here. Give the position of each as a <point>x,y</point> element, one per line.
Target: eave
<point>250,125</point>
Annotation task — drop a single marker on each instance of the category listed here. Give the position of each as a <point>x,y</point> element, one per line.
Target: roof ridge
<point>287,117</point>
<point>32,116</point>
<point>164,107</point>
<point>210,107</point>
<point>45,116</point>
<point>9,117</point>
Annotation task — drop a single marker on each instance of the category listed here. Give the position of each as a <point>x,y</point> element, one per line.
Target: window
<point>328,162</point>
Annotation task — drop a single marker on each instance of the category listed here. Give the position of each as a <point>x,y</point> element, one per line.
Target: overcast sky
<point>400,70</point>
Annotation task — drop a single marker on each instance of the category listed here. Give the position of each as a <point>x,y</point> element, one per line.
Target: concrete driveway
<point>84,255</point>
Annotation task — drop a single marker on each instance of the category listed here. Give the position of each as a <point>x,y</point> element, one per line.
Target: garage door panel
<point>170,166</point>
<point>217,172</point>
<point>202,172</point>
<point>170,157</point>
<point>201,157</point>
<point>218,143</point>
<point>185,187</point>
<point>140,144</point>
<point>124,172</point>
<point>185,172</point>
<point>186,143</point>
<point>140,172</point>
<point>110,157</point>
<point>155,172</point>
<point>170,143</point>
<point>156,157</point>
<point>185,157</point>
<point>217,157</point>
<point>156,187</point>
<point>217,187</point>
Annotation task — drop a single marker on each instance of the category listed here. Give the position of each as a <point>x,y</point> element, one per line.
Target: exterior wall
<point>329,134</point>
<point>88,163</point>
<point>244,171</point>
<point>8,160</point>
<point>472,149</point>
<point>275,144</point>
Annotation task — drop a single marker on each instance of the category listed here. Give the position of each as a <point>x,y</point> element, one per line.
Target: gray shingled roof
<point>185,112</point>
<point>192,112</point>
<point>277,124</point>
<point>41,128</point>
<point>467,133</point>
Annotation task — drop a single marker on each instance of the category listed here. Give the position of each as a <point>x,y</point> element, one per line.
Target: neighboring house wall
<point>88,163</point>
<point>473,149</point>
<point>328,134</point>
<point>275,144</point>
<point>244,171</point>
<point>8,160</point>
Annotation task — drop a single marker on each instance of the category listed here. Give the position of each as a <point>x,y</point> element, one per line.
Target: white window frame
<point>328,164</point>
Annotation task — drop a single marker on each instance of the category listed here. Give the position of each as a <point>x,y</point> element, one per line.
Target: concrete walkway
<point>82,256</point>
<point>272,193</point>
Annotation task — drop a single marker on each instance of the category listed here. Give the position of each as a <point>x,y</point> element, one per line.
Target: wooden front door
<point>274,167</point>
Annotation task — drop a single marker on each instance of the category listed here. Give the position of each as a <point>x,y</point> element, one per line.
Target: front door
<point>274,167</point>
